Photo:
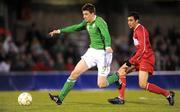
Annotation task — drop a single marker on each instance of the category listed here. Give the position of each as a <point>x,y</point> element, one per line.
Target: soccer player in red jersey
<point>143,61</point>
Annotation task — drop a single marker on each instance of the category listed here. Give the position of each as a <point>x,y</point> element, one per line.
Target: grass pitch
<point>90,101</point>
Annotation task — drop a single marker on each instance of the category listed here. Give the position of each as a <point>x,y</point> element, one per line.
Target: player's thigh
<point>90,57</point>
<point>146,66</point>
<point>79,69</point>
<point>143,78</point>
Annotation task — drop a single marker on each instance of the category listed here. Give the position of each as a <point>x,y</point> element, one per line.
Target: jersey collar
<point>136,27</point>
<point>94,19</point>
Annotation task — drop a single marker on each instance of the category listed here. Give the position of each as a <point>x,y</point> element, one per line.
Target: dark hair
<point>89,7</point>
<point>134,14</point>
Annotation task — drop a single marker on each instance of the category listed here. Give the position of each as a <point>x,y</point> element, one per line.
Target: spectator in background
<point>59,62</point>
<point>5,64</point>
<point>31,34</point>
<point>69,66</point>
<point>9,45</point>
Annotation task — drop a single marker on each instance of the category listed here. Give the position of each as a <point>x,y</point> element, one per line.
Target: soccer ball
<point>25,99</point>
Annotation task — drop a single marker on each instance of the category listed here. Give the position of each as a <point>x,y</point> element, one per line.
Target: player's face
<point>132,22</point>
<point>88,16</point>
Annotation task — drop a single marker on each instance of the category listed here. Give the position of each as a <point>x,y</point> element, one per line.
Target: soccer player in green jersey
<point>98,54</point>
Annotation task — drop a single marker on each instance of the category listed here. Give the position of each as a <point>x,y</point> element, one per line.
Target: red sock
<point>122,90</point>
<point>156,89</point>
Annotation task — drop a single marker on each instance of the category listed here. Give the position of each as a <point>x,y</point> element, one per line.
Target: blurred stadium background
<point>25,45</point>
<point>30,60</point>
<point>26,49</point>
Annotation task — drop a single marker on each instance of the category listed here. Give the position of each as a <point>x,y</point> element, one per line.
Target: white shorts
<point>100,58</point>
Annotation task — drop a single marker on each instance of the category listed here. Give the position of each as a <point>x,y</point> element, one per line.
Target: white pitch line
<point>146,98</point>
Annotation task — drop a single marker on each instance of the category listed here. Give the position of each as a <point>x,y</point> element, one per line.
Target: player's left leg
<point>103,65</point>
<point>104,81</point>
<point>143,83</point>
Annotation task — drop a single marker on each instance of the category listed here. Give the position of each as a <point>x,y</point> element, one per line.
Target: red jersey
<point>142,45</point>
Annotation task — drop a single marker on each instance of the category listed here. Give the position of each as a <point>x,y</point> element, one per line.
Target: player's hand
<point>109,50</point>
<point>52,33</point>
<point>128,63</point>
<point>128,69</point>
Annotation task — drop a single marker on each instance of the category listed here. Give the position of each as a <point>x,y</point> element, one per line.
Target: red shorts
<point>146,65</point>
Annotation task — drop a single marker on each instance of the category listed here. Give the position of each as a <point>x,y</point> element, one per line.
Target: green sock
<point>66,88</point>
<point>112,78</point>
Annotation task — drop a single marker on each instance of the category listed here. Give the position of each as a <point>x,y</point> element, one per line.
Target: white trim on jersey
<point>144,43</point>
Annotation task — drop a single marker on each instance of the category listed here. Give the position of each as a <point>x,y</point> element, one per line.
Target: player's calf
<point>118,84</point>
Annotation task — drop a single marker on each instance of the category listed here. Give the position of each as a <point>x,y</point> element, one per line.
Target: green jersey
<point>98,32</point>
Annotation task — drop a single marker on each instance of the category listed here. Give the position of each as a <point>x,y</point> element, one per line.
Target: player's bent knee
<point>101,85</point>
<point>142,85</point>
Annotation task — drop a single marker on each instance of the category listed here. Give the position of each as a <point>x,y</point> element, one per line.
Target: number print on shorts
<point>103,69</point>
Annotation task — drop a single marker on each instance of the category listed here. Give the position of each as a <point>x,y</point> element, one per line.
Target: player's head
<point>133,19</point>
<point>89,12</point>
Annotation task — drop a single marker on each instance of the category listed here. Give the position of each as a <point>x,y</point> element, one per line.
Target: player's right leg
<point>144,84</point>
<point>68,85</point>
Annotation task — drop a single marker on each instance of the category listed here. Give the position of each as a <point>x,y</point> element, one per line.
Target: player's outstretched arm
<point>54,32</point>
